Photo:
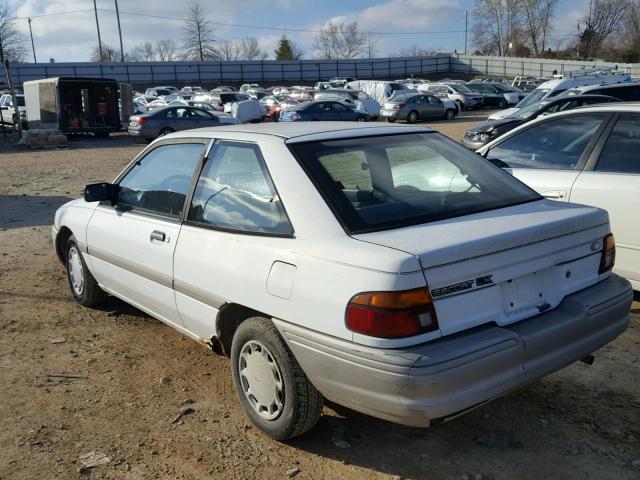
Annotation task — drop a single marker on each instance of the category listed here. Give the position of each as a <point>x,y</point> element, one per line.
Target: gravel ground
<point>106,385</point>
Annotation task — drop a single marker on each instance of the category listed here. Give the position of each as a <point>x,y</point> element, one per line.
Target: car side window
<point>557,144</point>
<point>339,107</point>
<point>434,100</point>
<point>201,114</point>
<point>235,192</point>
<point>159,182</point>
<point>621,153</point>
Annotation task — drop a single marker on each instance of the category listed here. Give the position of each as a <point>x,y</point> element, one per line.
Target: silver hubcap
<point>261,380</point>
<point>76,273</point>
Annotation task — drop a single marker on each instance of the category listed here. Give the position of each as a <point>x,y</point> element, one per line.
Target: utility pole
<point>95,8</point>
<point>119,32</point>
<point>465,31</point>
<point>199,41</point>
<point>33,48</point>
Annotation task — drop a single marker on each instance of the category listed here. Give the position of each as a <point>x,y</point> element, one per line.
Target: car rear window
<point>390,181</point>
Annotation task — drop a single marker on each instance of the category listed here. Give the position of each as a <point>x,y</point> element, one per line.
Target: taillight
<point>392,314</point>
<point>608,254</point>
<point>399,106</point>
<point>142,121</point>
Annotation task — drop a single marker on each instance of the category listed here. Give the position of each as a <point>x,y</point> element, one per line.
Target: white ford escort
<point>385,268</point>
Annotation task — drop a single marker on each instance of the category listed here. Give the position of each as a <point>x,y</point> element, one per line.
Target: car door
<point>5,108</point>
<point>131,244</point>
<point>234,231</point>
<point>549,155</point>
<point>611,180</point>
<point>342,112</point>
<point>431,106</point>
<point>203,119</point>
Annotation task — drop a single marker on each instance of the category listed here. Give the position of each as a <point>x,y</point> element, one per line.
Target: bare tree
<point>145,52</point>
<point>109,54</point>
<point>413,51</point>
<point>166,50</point>
<point>603,18</point>
<point>12,41</point>
<point>287,50</point>
<point>537,16</point>
<point>198,39</point>
<point>229,50</point>
<point>497,26</point>
<point>246,48</point>
<point>251,49</point>
<point>340,40</point>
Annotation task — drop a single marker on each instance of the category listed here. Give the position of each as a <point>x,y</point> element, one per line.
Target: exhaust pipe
<point>589,359</point>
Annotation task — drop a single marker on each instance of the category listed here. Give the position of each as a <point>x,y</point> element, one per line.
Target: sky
<point>393,24</point>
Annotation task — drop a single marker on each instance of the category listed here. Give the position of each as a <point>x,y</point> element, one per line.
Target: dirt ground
<point>129,376</point>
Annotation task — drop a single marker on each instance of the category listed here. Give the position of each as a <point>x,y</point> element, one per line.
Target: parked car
<point>383,268</point>
<point>158,92</point>
<point>225,118</point>
<point>491,96</point>
<point>481,134</point>
<point>163,121</point>
<point>413,107</point>
<point>355,98</point>
<point>7,111</point>
<point>527,83</point>
<point>249,86</point>
<point>322,110</point>
<point>464,97</point>
<point>627,92</point>
<point>223,89</point>
<point>557,86</point>
<point>589,155</point>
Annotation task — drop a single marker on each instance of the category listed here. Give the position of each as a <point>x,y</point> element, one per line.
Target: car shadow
<point>113,306</point>
<point>19,211</point>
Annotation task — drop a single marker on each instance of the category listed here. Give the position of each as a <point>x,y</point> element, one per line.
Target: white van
<point>557,86</point>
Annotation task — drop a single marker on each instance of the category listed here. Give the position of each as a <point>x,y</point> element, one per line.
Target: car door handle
<point>157,235</point>
<point>555,194</point>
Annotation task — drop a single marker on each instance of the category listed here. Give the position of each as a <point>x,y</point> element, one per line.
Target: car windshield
<point>534,96</point>
<point>402,98</point>
<point>529,111</point>
<point>392,181</point>
<point>162,91</point>
<point>461,88</point>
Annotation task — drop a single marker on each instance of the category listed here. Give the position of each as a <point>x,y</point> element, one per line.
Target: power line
<point>86,10</point>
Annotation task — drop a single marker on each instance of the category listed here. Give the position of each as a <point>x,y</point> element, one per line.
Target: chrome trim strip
<point>136,269</point>
<point>198,294</point>
<point>83,247</point>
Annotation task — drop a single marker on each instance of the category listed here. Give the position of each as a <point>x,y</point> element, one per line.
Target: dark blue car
<point>323,110</point>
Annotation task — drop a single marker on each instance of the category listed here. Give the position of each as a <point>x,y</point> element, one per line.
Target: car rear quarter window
<point>235,192</point>
<point>621,153</point>
<point>555,144</point>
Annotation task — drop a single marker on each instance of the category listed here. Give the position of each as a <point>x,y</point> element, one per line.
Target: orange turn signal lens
<point>608,254</point>
<point>393,300</point>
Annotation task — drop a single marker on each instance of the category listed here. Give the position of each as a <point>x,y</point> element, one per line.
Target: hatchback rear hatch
<point>503,265</point>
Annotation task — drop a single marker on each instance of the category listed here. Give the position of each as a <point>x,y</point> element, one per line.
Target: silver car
<point>168,120</point>
<point>416,106</point>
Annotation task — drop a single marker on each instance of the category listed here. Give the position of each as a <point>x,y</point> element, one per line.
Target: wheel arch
<point>229,318</point>
<point>61,241</point>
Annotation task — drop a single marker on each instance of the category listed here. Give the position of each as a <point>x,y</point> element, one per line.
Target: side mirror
<point>101,192</point>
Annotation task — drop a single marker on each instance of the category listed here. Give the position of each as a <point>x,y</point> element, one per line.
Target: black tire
<point>502,104</point>
<point>449,114</point>
<point>90,292</point>
<point>301,402</point>
<point>391,119</point>
<point>360,118</point>
<point>165,131</point>
<point>412,117</point>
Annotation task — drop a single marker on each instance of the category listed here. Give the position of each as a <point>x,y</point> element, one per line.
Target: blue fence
<point>156,73</point>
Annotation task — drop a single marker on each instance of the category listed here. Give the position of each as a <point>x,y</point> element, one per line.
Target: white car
<point>384,268</point>
<point>7,112</point>
<point>590,155</point>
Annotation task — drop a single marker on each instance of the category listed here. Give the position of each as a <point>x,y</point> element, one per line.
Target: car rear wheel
<point>502,104</point>
<point>84,288</point>
<point>165,131</point>
<point>412,117</point>
<point>360,118</point>
<point>391,119</point>
<point>449,114</point>
<point>273,390</point>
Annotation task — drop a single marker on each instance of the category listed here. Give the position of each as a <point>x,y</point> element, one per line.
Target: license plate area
<point>524,294</point>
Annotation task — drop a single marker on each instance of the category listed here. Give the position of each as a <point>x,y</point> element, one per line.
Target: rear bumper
<point>415,385</point>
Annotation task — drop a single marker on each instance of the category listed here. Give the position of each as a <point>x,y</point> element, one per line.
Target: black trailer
<point>73,105</point>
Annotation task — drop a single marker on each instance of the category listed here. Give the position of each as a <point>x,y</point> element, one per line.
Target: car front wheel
<point>274,391</point>
<point>84,288</point>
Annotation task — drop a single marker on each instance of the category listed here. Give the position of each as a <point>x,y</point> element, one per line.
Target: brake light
<point>392,314</point>
<point>399,106</point>
<point>142,121</point>
<point>608,254</point>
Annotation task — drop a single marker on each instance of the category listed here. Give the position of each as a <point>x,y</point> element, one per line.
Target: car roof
<point>302,131</point>
<point>595,86</point>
